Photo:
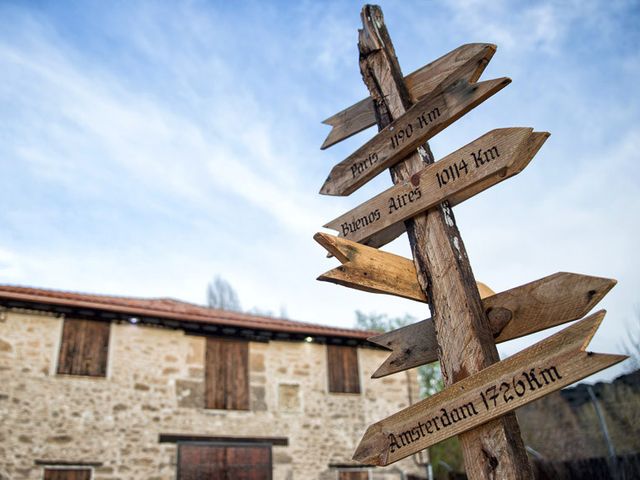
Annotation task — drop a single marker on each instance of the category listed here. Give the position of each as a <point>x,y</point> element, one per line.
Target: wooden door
<point>356,475</point>
<point>224,462</point>
<point>67,474</point>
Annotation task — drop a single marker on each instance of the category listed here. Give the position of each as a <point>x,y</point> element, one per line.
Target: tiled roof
<point>170,309</point>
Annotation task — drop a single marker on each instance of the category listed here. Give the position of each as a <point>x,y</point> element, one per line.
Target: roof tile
<point>177,310</point>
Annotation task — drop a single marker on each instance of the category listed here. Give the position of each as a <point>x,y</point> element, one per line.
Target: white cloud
<point>182,142</point>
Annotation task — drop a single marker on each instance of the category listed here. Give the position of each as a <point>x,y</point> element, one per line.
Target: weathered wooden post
<point>482,392</point>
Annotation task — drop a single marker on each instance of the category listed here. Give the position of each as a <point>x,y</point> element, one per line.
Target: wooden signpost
<point>372,270</point>
<point>545,367</point>
<point>453,98</point>
<point>468,318</point>
<point>545,303</point>
<point>420,83</point>
<point>491,158</point>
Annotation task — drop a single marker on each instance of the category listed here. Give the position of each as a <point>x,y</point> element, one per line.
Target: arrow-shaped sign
<point>543,368</point>
<point>535,306</point>
<point>486,161</point>
<point>372,270</point>
<point>535,142</point>
<point>422,121</point>
<point>419,83</point>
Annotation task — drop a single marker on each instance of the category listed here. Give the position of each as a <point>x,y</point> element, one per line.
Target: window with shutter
<point>342,364</point>
<point>84,348</point>
<point>227,374</point>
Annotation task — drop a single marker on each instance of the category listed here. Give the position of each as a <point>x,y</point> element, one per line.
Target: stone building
<point>101,387</point>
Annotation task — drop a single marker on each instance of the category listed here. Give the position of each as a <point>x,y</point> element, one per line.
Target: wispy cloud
<point>145,149</point>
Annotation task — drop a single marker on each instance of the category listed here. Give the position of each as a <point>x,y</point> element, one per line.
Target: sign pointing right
<point>484,162</point>
<point>514,313</point>
<point>420,83</point>
<point>429,116</point>
<point>543,368</point>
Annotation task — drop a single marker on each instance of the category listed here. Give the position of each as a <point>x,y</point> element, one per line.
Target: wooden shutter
<point>84,348</point>
<point>342,363</point>
<point>67,474</point>
<point>227,374</point>
<point>224,462</point>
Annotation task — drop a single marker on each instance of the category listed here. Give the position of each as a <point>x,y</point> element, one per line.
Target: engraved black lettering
<point>532,380</point>
<point>359,167</point>
<point>435,422</point>
<point>393,443</point>
<point>492,152</point>
<point>405,437</point>
<point>547,375</point>
<point>429,427</point>
<point>455,416</point>
<point>484,400</point>
<point>519,387</point>
<point>468,408</point>
<point>420,424</point>
<point>392,205</point>
<point>443,417</point>
<point>425,118</point>
<point>504,388</point>
<point>494,395</point>
<point>477,157</point>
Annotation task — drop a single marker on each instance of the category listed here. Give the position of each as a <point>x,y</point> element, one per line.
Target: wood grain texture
<point>227,374</point>
<point>372,270</point>
<point>224,462</point>
<point>342,366</point>
<point>421,122</point>
<point>545,367</point>
<point>495,449</point>
<point>535,306</point>
<point>84,349</point>
<point>534,143</point>
<point>423,81</point>
<point>496,155</point>
<point>67,474</point>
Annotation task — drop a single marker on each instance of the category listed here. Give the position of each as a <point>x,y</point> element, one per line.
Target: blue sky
<point>146,147</point>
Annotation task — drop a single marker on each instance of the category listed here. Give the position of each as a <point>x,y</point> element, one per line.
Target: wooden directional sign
<point>372,270</point>
<point>423,120</point>
<point>543,368</point>
<point>535,142</point>
<point>545,303</point>
<point>419,83</point>
<point>496,155</point>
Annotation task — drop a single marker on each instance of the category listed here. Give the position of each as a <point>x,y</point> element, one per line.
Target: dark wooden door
<point>224,462</point>
<point>357,475</point>
<point>67,474</point>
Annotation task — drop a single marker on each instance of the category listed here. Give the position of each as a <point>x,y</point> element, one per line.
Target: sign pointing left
<point>420,83</point>
<point>372,270</point>
<point>422,121</point>
<point>545,367</point>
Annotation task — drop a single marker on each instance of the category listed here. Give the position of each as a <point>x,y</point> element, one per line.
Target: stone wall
<point>154,386</point>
